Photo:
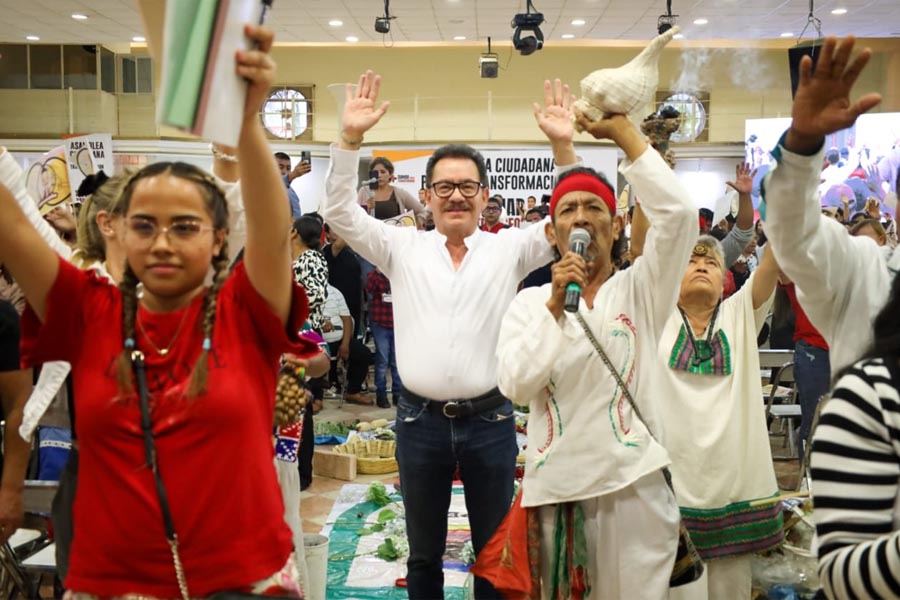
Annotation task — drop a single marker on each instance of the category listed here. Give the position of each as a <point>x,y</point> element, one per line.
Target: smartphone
<point>373,180</point>
<point>306,155</point>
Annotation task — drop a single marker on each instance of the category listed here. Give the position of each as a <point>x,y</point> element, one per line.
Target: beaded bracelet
<point>222,155</point>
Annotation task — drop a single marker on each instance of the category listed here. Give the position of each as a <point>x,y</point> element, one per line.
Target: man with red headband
<point>593,471</point>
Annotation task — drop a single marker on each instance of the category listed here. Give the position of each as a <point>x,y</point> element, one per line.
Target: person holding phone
<point>383,200</point>
<point>289,175</point>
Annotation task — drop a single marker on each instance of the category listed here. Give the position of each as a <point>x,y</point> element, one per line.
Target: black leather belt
<point>458,409</point>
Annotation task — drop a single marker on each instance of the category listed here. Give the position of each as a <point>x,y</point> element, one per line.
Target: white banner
<point>515,174</point>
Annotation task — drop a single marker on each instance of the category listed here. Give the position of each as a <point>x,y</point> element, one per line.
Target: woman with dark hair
<point>387,201</point>
<point>855,463</point>
<point>211,355</point>
<point>310,267</point>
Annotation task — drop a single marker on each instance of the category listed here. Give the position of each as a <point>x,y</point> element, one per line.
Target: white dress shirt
<point>446,321</point>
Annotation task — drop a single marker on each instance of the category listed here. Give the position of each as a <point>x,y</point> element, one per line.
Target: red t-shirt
<point>215,451</point>
<point>803,329</point>
<point>496,227</point>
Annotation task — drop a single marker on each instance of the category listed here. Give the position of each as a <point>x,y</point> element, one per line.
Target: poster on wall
<point>406,219</point>
<point>859,163</point>
<point>47,180</point>
<point>521,176</point>
<point>87,155</point>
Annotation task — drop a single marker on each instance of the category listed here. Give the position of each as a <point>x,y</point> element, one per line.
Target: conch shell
<point>625,89</point>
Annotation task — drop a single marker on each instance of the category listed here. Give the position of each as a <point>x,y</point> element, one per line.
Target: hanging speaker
<point>809,48</point>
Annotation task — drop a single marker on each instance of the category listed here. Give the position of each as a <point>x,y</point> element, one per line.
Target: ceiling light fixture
<point>787,34</point>
<point>667,21</point>
<point>529,21</point>
<point>839,11</point>
<point>139,39</point>
<point>700,21</point>
<point>578,22</point>
<point>32,38</point>
<point>335,23</point>
<point>567,36</point>
<point>459,38</point>
<point>351,38</point>
<point>79,17</point>
<point>678,36</point>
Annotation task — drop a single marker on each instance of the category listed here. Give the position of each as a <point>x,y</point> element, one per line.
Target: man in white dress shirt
<point>451,287</point>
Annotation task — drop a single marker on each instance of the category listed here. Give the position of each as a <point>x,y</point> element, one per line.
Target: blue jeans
<point>385,357</point>
<point>429,448</point>
<point>812,370</point>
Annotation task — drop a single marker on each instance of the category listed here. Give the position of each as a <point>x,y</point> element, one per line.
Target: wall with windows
<point>436,93</point>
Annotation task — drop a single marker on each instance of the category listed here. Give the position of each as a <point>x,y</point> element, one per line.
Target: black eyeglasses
<point>468,189</point>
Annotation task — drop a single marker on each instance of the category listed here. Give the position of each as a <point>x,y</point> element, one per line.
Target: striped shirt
<point>855,469</point>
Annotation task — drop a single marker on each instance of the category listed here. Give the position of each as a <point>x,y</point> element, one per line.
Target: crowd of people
<point>178,300</point>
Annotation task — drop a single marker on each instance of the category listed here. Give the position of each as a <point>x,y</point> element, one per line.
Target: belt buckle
<point>451,414</point>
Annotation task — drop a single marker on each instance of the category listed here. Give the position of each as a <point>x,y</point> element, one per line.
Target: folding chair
<point>783,388</point>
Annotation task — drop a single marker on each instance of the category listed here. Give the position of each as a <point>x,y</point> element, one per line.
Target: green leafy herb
<point>387,551</point>
<point>325,428</point>
<point>377,493</point>
<point>373,529</point>
<point>386,515</point>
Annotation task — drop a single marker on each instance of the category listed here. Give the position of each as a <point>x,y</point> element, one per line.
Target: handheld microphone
<point>579,240</point>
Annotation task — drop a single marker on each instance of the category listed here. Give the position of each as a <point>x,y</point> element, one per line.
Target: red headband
<point>583,182</point>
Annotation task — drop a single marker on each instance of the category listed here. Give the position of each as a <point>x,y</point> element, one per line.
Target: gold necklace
<point>164,351</point>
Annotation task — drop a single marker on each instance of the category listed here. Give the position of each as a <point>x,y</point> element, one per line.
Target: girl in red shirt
<point>211,358</point>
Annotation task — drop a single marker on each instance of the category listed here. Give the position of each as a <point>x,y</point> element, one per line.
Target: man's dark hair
<point>587,171</point>
<point>545,199</point>
<point>496,201</point>
<point>456,151</point>
<point>708,215</point>
<point>282,156</point>
<point>309,228</point>
<point>535,211</point>
<point>619,246</point>
<point>833,156</point>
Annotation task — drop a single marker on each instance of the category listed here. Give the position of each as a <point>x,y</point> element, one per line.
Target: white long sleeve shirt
<point>842,281</point>
<point>583,439</point>
<point>446,321</point>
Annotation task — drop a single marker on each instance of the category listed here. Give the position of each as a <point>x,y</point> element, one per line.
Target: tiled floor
<point>317,499</point>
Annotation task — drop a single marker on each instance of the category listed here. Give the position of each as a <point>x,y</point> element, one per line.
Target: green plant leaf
<point>387,551</point>
<point>386,515</point>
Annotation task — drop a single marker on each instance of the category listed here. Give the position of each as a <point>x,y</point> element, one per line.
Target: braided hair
<point>106,195</point>
<point>215,203</point>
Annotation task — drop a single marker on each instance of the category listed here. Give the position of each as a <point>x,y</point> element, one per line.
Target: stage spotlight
<point>526,23</point>
<point>667,21</point>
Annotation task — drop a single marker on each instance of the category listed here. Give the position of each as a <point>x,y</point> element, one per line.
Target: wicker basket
<point>373,457</point>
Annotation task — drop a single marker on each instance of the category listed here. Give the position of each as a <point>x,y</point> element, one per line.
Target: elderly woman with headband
<point>714,421</point>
